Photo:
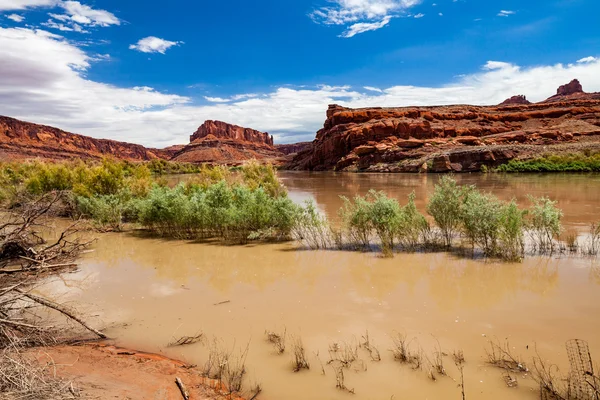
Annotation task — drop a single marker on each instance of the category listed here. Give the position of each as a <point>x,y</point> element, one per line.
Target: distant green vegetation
<point>573,162</point>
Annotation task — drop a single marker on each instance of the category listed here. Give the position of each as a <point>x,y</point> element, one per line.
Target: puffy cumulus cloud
<point>42,79</point>
<point>86,15</point>
<point>74,16</point>
<point>6,5</point>
<point>360,15</point>
<point>77,15</point>
<point>152,44</point>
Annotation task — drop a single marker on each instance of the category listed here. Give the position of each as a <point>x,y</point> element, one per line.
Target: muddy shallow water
<point>150,290</point>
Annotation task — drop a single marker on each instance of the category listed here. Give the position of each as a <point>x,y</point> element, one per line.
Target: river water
<point>148,291</point>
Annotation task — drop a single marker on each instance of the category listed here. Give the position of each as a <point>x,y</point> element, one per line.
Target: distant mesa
<point>519,99</point>
<point>223,130</point>
<point>218,142</point>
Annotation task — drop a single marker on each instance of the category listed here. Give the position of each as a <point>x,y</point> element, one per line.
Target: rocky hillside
<point>19,139</point>
<point>222,143</point>
<point>450,138</point>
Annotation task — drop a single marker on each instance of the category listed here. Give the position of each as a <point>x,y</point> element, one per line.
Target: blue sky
<point>150,72</point>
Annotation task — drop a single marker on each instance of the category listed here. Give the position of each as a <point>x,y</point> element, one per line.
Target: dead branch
<point>62,310</point>
<point>182,388</point>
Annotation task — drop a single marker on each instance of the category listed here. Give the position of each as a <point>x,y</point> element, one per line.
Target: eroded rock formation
<point>519,99</point>
<point>449,138</point>
<point>222,143</point>
<point>19,139</point>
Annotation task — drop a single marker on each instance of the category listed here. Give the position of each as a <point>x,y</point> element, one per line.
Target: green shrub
<point>107,211</point>
<point>385,215</point>
<point>413,228</point>
<point>311,227</point>
<point>480,215</point>
<point>544,222</point>
<point>510,233</point>
<point>356,219</point>
<point>444,206</point>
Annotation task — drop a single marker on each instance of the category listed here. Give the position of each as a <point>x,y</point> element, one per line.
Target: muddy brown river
<point>149,291</point>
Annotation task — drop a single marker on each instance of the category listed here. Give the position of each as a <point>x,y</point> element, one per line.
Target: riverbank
<point>101,370</point>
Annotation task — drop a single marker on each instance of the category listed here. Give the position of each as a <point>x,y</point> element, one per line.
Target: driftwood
<point>182,388</point>
<point>61,309</point>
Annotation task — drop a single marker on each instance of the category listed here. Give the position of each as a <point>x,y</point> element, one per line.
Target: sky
<point>150,72</point>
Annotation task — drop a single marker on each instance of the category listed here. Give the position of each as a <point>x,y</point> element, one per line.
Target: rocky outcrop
<point>570,88</point>
<point>218,142</point>
<point>19,139</point>
<point>519,99</point>
<point>223,130</point>
<point>293,148</point>
<point>447,138</point>
<point>572,91</point>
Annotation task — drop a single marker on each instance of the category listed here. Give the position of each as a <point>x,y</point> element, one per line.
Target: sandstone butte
<point>459,138</point>
<point>217,142</point>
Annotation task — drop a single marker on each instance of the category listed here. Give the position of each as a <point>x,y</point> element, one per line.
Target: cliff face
<point>448,138</point>
<point>222,143</point>
<point>224,130</point>
<point>19,139</point>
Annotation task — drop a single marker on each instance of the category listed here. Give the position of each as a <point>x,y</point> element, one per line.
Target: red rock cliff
<point>218,142</point>
<point>19,139</point>
<point>224,130</point>
<point>446,138</point>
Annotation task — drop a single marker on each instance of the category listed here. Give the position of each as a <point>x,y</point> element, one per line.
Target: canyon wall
<point>450,138</point>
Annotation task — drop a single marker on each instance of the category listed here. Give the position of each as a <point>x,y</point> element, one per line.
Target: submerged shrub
<point>356,219</point>
<point>235,213</point>
<point>107,211</point>
<point>510,233</point>
<point>444,206</point>
<point>544,222</point>
<point>386,217</point>
<point>312,228</point>
<point>480,215</point>
<point>413,228</point>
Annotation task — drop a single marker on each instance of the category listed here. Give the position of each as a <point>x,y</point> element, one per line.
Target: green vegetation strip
<point>250,203</point>
<point>574,162</point>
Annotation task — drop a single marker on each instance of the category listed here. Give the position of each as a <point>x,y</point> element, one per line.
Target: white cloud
<point>419,15</point>
<point>6,5</point>
<point>216,99</point>
<point>16,17</point>
<point>152,44</point>
<point>505,13</point>
<point>43,80</point>
<point>360,15</point>
<point>589,59</point>
<point>373,89</point>
<point>62,27</point>
<point>362,27</point>
<point>77,14</point>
